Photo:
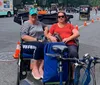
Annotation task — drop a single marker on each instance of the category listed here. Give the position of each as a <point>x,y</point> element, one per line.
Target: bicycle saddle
<point>59,48</point>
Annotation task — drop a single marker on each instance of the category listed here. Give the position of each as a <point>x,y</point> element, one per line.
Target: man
<point>31,31</point>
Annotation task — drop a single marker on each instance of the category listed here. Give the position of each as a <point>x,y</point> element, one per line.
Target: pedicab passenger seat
<point>51,64</point>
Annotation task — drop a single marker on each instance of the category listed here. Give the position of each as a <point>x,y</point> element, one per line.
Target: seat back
<point>51,72</point>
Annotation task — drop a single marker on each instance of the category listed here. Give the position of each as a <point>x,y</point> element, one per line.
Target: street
<point>10,34</point>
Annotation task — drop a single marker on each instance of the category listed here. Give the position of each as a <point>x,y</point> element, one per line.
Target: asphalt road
<point>10,34</point>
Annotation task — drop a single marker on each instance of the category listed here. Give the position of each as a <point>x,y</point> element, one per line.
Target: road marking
<point>7,57</point>
<point>87,23</point>
<point>7,60</point>
<point>81,26</point>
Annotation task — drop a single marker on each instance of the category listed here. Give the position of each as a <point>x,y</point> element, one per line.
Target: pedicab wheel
<point>18,73</point>
<point>88,18</point>
<point>22,70</point>
<point>18,77</point>
<point>83,76</point>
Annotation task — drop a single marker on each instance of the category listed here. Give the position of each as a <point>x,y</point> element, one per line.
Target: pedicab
<point>84,12</point>
<point>55,73</point>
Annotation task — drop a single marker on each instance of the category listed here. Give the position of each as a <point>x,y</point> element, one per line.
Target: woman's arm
<point>28,38</point>
<point>46,31</point>
<point>51,38</point>
<point>25,32</point>
<point>73,36</point>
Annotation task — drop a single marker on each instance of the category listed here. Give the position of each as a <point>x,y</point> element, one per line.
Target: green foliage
<point>75,3</point>
<point>95,2</point>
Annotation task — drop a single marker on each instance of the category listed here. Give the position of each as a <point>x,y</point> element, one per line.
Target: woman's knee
<point>73,52</point>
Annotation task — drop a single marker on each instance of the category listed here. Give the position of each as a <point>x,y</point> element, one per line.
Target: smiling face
<point>61,17</point>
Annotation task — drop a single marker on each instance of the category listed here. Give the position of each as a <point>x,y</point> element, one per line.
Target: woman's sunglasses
<point>61,16</point>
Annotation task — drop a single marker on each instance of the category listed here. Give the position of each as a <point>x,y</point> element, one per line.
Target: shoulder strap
<point>43,27</point>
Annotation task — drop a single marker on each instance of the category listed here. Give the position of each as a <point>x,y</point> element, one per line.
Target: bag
<point>51,72</point>
<point>58,37</point>
<point>77,41</point>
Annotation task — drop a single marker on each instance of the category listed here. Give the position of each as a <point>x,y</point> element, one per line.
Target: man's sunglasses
<point>61,16</point>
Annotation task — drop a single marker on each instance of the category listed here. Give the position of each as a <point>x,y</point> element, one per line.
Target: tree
<point>95,2</point>
<point>75,3</point>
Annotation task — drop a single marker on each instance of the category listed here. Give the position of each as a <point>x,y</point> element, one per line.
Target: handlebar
<point>91,58</point>
<point>82,61</point>
<point>60,58</point>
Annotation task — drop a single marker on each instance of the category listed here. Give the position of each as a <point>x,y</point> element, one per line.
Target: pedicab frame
<point>24,64</point>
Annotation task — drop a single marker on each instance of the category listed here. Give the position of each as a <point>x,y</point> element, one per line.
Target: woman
<point>67,32</point>
<point>30,32</point>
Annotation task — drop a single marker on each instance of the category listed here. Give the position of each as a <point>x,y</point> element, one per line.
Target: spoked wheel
<point>18,74</point>
<point>18,80</point>
<point>82,77</point>
<point>24,76</point>
<point>22,70</point>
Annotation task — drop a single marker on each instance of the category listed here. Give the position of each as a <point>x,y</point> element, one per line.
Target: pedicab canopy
<point>48,19</point>
<point>85,8</point>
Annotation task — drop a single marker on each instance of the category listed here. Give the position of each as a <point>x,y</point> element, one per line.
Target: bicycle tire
<point>18,74</point>
<point>81,75</point>
<point>18,77</point>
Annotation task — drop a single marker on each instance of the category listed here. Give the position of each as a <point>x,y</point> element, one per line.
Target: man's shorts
<point>35,49</point>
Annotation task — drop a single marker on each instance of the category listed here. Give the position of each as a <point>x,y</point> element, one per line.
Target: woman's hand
<point>65,40</point>
<point>40,40</point>
<point>53,39</point>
